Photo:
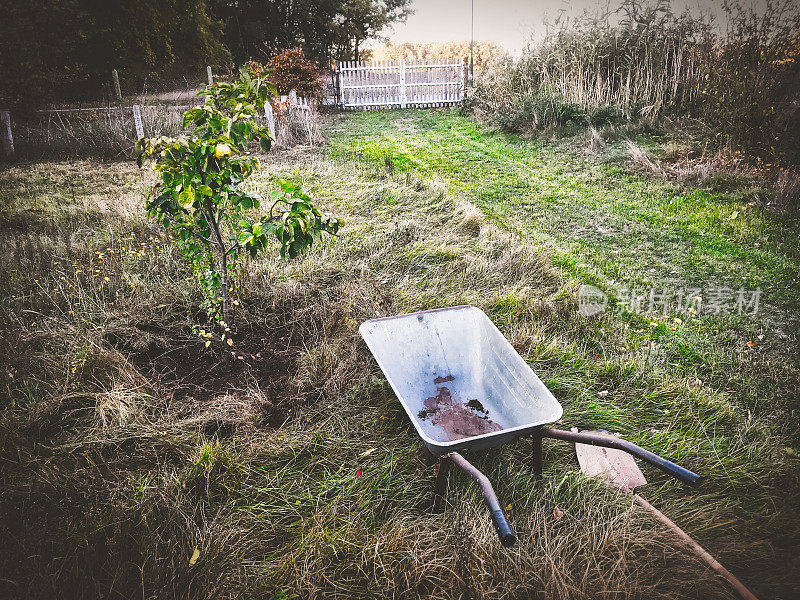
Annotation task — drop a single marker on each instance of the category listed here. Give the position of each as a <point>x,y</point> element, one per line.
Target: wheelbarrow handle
<point>507,537</point>
<point>609,441</point>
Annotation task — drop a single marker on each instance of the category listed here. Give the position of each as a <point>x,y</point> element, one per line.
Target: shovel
<point>620,469</point>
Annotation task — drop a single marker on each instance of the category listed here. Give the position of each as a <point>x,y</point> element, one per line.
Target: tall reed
<point>643,60</point>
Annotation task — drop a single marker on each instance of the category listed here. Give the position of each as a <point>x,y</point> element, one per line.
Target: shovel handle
<point>712,562</point>
<point>504,531</point>
<point>609,441</point>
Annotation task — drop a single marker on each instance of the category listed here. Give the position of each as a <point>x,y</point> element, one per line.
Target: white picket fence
<point>401,83</point>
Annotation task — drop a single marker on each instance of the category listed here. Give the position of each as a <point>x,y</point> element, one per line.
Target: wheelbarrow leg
<point>440,486</point>
<point>537,454</point>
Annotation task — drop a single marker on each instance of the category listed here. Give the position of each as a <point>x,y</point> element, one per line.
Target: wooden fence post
<point>403,101</point>
<point>137,121</point>
<point>210,76</point>
<point>5,133</point>
<point>270,118</point>
<point>117,89</point>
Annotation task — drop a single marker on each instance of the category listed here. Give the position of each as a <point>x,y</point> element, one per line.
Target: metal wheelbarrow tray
<point>464,387</point>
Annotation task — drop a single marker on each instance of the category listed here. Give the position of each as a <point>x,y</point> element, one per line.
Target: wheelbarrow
<point>465,388</point>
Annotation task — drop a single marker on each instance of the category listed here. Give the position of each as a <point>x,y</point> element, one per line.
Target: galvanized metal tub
<point>458,378</point>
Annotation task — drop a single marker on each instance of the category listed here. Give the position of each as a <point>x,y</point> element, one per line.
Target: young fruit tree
<point>200,198</point>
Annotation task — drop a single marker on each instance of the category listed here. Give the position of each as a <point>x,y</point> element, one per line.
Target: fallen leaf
<point>195,556</point>
<point>358,473</point>
<point>230,342</point>
<point>558,514</point>
<point>751,344</point>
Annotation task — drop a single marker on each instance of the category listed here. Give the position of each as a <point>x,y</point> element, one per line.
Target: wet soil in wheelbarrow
<point>458,420</point>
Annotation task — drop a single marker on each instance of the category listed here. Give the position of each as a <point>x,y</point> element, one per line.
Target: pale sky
<point>510,23</point>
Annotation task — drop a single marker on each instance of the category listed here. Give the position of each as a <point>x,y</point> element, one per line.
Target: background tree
<point>362,20</point>
<point>55,49</point>
<point>325,29</point>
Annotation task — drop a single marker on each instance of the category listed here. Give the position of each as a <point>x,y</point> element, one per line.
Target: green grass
<point>125,444</point>
<point>622,224</point>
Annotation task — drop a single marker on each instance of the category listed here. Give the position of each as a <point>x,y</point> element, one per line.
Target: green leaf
<point>186,198</point>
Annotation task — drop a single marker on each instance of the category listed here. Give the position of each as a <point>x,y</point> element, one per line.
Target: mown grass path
<point>605,226</point>
<point>601,222</point>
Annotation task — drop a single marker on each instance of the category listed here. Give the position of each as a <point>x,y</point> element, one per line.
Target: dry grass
<point>594,145</point>
<point>102,134</point>
<point>641,162</point>
<point>638,60</point>
<point>787,188</point>
<point>298,127</point>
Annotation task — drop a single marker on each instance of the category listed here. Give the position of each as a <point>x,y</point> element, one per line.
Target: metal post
<point>471,41</point>
<point>117,89</point>
<point>440,487</point>
<point>5,133</point>
<point>210,76</point>
<point>403,101</point>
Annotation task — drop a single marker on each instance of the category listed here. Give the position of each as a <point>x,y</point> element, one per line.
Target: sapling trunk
<point>223,265</point>
<point>223,284</point>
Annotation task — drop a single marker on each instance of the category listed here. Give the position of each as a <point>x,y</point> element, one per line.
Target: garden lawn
<point>287,463</point>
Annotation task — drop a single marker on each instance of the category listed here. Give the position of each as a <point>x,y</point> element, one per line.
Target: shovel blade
<point>615,466</point>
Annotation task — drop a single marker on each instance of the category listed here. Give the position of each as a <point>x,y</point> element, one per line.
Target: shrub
<point>539,111</point>
<point>752,91</point>
<point>605,115</point>
<point>290,70</point>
